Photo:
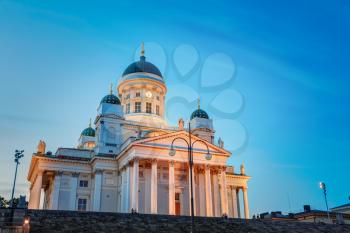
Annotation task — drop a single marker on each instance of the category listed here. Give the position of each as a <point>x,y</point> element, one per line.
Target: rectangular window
<point>157,97</point>
<point>82,204</point>
<point>83,183</point>
<point>127,110</point>
<point>148,107</point>
<point>137,106</point>
<point>127,96</point>
<point>157,110</point>
<point>138,94</point>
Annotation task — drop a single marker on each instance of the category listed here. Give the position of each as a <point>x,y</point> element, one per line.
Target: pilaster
<point>73,191</point>
<point>56,190</point>
<point>97,190</point>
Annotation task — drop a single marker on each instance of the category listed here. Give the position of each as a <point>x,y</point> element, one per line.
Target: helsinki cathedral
<point>131,160</point>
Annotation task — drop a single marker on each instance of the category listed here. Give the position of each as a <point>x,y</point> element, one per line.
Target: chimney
<point>307,208</point>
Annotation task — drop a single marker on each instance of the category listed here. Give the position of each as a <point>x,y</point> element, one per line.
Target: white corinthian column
<point>35,192</point>
<point>246,205</point>
<point>154,187</point>
<point>135,183</point>
<point>223,192</point>
<point>171,188</point>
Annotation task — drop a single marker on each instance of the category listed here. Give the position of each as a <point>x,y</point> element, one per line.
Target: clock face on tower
<point>149,94</point>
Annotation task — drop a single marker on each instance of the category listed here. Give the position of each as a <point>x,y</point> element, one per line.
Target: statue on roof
<point>221,143</point>
<point>181,124</point>
<point>41,147</point>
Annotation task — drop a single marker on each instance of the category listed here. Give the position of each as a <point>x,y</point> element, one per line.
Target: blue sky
<point>284,67</point>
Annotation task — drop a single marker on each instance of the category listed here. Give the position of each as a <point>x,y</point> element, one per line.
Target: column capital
<point>154,160</point>
<point>58,173</point>
<point>244,188</point>
<point>200,170</point>
<point>214,171</point>
<point>171,163</point>
<point>41,171</point>
<point>98,171</point>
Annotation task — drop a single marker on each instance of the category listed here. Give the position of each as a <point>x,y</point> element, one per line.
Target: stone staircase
<point>50,221</point>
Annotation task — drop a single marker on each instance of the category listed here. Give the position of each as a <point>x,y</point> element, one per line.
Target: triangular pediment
<point>179,140</point>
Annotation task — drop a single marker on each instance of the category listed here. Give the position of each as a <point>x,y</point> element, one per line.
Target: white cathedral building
<point>127,162</point>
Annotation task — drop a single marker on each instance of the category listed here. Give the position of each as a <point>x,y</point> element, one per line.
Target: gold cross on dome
<point>111,89</point>
<point>142,49</point>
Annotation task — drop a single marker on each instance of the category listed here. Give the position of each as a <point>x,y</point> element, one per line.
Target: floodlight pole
<point>323,187</point>
<point>18,154</point>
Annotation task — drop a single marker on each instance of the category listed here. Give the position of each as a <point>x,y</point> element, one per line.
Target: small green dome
<point>110,99</point>
<point>200,114</point>
<point>88,132</point>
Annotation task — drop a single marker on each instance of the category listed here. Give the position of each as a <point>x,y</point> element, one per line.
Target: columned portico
<point>154,187</point>
<point>34,201</point>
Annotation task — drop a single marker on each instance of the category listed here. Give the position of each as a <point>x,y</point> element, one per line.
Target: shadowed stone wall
<point>72,221</point>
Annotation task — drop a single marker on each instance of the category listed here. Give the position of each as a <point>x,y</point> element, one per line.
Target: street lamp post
<point>190,144</point>
<point>323,187</point>
<point>18,154</point>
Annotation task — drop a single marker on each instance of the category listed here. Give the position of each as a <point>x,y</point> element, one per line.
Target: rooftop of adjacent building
<point>342,207</point>
<point>308,213</point>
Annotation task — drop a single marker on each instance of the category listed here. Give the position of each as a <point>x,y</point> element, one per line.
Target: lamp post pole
<point>191,175</point>
<point>190,144</point>
<point>18,155</point>
<point>323,187</point>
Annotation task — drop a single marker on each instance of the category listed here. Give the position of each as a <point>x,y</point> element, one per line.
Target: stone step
<point>74,221</point>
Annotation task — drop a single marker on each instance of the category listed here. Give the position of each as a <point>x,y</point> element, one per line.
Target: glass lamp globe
<point>208,156</point>
<point>172,152</point>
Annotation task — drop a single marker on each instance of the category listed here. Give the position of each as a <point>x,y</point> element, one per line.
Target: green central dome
<point>142,66</point>
<point>110,99</point>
